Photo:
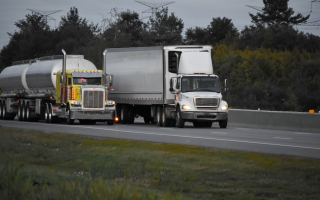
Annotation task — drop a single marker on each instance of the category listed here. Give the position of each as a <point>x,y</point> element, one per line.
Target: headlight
<point>75,103</point>
<point>224,108</point>
<point>110,103</point>
<point>186,107</point>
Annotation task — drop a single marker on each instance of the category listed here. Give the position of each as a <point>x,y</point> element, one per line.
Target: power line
<point>45,14</point>
<point>314,1</point>
<point>154,7</point>
<point>314,23</point>
<point>256,8</point>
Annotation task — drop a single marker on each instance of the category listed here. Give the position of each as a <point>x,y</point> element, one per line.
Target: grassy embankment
<point>35,165</point>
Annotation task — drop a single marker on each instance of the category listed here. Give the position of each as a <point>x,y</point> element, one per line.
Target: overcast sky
<point>192,12</point>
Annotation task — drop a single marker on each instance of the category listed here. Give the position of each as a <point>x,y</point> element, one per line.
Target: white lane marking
<point>302,133</point>
<point>182,136</point>
<point>219,132</point>
<point>244,128</point>
<point>283,138</point>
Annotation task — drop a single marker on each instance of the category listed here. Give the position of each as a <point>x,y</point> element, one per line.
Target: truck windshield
<point>203,84</point>
<point>86,81</point>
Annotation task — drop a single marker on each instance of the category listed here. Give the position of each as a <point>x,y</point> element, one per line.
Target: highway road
<point>297,144</point>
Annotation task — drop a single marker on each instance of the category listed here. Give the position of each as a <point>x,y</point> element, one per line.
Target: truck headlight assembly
<point>224,108</point>
<point>110,103</point>
<point>75,103</point>
<point>186,107</point>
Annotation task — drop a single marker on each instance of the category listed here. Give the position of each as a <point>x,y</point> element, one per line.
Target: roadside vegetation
<point>36,165</point>
<point>269,64</point>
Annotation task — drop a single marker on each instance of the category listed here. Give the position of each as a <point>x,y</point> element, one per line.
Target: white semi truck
<point>55,88</point>
<point>166,85</point>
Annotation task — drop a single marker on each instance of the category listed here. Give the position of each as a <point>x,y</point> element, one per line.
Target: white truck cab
<point>198,97</point>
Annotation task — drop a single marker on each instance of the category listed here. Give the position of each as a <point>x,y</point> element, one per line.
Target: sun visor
<point>195,62</point>
<point>86,75</point>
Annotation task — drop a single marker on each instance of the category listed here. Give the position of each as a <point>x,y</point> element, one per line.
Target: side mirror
<point>109,80</point>
<point>171,85</point>
<point>225,85</point>
<point>178,83</point>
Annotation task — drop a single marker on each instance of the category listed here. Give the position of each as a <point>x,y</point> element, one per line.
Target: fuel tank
<point>39,77</point>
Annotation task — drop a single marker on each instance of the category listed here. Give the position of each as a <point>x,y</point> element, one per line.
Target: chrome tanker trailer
<point>56,88</point>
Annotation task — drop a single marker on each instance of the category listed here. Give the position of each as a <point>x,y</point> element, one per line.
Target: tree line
<point>269,64</point>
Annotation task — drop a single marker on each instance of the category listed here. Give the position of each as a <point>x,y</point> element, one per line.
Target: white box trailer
<point>167,85</point>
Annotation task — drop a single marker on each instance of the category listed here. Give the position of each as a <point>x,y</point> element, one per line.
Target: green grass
<point>35,165</point>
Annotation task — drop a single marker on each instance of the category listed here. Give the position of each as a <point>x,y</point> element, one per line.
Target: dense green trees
<point>277,12</point>
<point>269,64</point>
<point>218,30</point>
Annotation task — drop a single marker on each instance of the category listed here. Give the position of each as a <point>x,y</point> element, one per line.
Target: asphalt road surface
<point>297,144</point>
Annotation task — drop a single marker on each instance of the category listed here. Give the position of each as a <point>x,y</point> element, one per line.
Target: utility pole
<point>154,7</point>
<point>45,14</point>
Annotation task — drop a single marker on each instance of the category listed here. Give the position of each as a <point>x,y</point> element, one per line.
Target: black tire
<point>110,122</point>
<point>27,113</point>
<point>179,120</point>
<point>124,114</point>
<point>223,123</point>
<point>23,112</point>
<point>130,114</point>
<point>46,113</point>
<point>52,119</point>
<point>158,116</point>
<point>147,119</point>
<point>165,122</point>
<point>19,112</point>
<point>1,113</point>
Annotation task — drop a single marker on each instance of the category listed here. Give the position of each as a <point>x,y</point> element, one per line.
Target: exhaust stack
<point>64,77</point>
<point>104,70</point>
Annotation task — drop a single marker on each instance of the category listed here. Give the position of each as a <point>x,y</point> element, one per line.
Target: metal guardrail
<point>289,121</point>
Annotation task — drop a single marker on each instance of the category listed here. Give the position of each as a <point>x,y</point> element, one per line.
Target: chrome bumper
<point>93,115</point>
<point>204,116</point>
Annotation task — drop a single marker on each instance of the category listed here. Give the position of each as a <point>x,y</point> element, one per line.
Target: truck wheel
<point>179,120</point>
<point>1,112</point>
<point>110,122</point>
<point>147,119</point>
<point>19,112</point>
<point>27,113</point>
<point>165,121</point>
<point>52,119</point>
<point>158,116</point>
<point>23,112</point>
<point>46,113</point>
<point>223,123</point>
<point>124,114</point>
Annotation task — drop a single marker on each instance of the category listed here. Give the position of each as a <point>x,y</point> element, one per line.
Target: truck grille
<point>93,99</point>
<point>206,102</point>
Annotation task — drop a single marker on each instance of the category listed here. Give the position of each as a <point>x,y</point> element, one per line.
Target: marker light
<point>224,108</point>
<point>116,119</point>
<point>186,107</point>
<point>110,103</point>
